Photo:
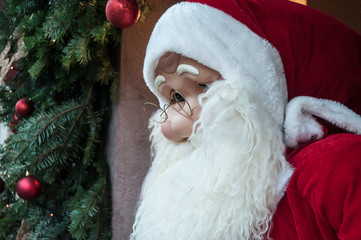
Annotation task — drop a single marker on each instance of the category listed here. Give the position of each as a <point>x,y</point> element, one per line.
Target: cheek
<point>196,113</point>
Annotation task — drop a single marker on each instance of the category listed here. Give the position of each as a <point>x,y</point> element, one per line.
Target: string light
<point>53,40</point>
<point>51,215</point>
<point>304,2</point>
<point>12,67</point>
<point>7,205</point>
<point>27,173</point>
<point>8,175</point>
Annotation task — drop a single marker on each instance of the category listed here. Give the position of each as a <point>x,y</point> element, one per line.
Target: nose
<point>177,127</point>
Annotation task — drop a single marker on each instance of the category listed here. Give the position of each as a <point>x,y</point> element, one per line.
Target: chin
<point>219,184</point>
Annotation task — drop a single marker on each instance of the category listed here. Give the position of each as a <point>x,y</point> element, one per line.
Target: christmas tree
<point>63,56</point>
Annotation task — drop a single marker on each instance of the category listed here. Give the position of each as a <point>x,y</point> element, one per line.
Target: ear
<point>301,126</point>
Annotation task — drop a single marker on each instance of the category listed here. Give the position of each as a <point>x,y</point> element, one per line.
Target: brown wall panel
<point>347,11</point>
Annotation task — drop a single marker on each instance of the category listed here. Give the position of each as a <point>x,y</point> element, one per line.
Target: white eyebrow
<point>182,68</point>
<point>159,80</point>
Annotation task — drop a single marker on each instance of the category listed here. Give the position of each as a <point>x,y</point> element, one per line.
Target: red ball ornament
<point>2,185</point>
<point>14,124</point>
<point>14,70</point>
<point>24,107</point>
<point>29,188</point>
<point>122,13</point>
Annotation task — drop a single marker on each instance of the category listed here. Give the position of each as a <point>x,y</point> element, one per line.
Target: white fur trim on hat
<point>301,125</point>
<point>224,44</point>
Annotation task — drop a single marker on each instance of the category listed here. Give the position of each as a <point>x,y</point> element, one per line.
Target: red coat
<point>323,198</point>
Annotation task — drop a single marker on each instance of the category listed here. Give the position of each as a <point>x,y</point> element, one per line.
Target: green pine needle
<point>70,77</point>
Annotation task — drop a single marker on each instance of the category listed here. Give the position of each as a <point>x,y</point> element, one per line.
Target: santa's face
<point>223,182</point>
<point>217,158</point>
<point>182,80</point>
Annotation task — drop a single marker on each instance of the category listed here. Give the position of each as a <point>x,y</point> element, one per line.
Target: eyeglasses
<point>159,114</point>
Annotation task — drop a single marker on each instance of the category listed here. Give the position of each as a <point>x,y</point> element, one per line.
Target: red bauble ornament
<point>14,70</point>
<point>24,107</point>
<point>14,124</point>
<point>2,185</point>
<point>122,13</point>
<point>29,188</point>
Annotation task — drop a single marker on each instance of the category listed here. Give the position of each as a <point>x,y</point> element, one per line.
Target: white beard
<point>224,183</point>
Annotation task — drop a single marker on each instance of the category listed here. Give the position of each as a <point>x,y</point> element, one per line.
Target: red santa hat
<point>299,63</point>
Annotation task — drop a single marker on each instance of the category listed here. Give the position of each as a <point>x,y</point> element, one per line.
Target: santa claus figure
<point>256,131</point>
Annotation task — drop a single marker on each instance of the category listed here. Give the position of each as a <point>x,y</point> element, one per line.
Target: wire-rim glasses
<point>159,114</point>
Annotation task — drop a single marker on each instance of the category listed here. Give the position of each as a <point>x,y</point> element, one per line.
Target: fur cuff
<point>301,126</point>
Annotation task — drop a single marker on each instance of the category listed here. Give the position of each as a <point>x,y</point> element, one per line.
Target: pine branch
<point>85,209</point>
<point>93,137</point>
<point>41,131</point>
<point>38,229</point>
<point>68,55</point>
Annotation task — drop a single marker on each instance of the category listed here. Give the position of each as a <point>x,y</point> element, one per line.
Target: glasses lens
<point>183,108</point>
<point>154,112</point>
